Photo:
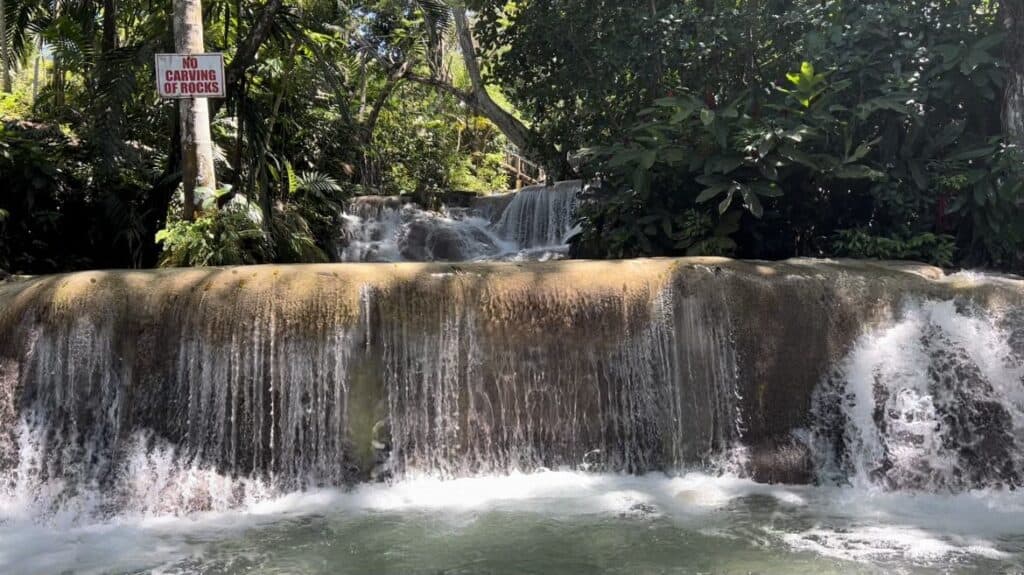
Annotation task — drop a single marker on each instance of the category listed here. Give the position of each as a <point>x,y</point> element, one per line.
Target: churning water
<point>546,522</point>
<point>503,418</point>
<point>933,401</point>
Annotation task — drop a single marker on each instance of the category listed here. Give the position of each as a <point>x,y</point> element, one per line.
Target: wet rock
<point>786,461</point>
<point>639,510</point>
<point>443,240</point>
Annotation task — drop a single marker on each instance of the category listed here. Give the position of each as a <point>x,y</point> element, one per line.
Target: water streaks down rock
<point>201,388</point>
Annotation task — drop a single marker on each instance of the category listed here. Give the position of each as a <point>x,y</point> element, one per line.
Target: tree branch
<point>394,79</point>
<point>514,130</point>
<point>245,56</point>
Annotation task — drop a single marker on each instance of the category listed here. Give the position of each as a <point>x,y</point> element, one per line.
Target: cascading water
<point>532,224</point>
<point>541,217</point>
<point>934,401</point>
<point>371,230</point>
<point>241,419</point>
<point>468,397</point>
<point>432,375</point>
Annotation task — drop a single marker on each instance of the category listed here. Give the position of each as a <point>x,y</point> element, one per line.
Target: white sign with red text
<point>190,75</point>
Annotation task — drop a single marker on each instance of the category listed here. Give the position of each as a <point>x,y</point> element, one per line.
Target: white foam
<point>918,374</point>
<point>842,523</point>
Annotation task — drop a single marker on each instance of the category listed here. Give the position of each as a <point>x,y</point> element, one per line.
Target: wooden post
<point>196,143</point>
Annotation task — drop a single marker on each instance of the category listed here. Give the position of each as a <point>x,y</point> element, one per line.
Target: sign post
<point>191,76</point>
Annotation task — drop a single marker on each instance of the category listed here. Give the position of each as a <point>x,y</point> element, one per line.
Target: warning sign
<point>190,75</point>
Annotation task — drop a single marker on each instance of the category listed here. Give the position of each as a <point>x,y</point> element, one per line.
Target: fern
<point>316,184</point>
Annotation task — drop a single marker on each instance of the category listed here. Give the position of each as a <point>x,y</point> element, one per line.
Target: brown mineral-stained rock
<point>469,367</point>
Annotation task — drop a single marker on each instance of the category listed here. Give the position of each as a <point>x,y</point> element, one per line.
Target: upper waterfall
<point>532,224</point>
<point>540,216</point>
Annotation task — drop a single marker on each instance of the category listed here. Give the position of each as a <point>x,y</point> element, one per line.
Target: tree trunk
<point>158,200</point>
<point>196,143</point>
<point>480,100</point>
<point>1013,98</point>
<point>5,55</point>
<point>109,43</point>
<point>369,124</point>
<point>110,109</point>
<point>245,55</point>
<point>368,174</point>
<point>58,84</point>
<point>240,114</point>
<point>657,64</point>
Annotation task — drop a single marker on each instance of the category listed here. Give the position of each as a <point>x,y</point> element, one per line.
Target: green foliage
<point>236,235</point>
<point>224,237</point>
<point>885,142</point>
<point>807,85</point>
<point>929,248</point>
<point>983,190</point>
<point>16,105</point>
<point>760,129</point>
<point>329,98</point>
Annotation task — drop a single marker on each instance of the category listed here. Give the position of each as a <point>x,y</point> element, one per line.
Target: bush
<point>928,248</point>
<point>236,234</point>
<point>230,236</point>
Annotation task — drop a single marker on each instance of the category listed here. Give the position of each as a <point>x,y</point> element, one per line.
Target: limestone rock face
<point>325,375</point>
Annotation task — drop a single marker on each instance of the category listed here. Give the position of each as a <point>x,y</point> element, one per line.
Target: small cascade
<point>396,232</point>
<point>532,224</point>
<point>370,230</point>
<point>449,236</point>
<point>540,216</point>
<point>933,401</point>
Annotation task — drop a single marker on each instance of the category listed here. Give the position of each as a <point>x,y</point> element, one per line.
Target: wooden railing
<point>524,171</point>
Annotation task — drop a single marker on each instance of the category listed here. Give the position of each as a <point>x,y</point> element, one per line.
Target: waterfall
<point>465,398</point>
<point>203,390</point>
<point>532,224</point>
<point>180,390</point>
<point>370,229</point>
<point>933,400</point>
<point>539,216</point>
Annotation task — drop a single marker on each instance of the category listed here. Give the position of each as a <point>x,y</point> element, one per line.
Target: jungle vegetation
<point>751,128</point>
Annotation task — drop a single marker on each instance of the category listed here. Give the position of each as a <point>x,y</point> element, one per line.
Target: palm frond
<point>316,183</point>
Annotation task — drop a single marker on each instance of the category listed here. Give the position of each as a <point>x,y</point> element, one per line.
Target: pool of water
<point>551,522</point>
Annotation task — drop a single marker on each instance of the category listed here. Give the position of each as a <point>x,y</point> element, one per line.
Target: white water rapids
<point>933,401</point>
